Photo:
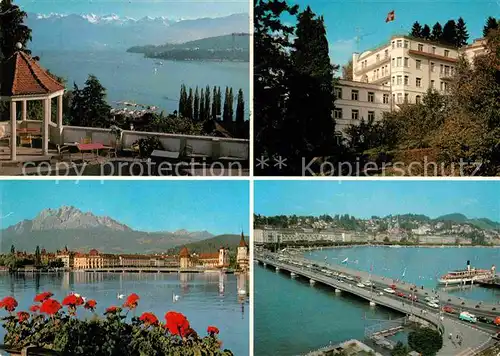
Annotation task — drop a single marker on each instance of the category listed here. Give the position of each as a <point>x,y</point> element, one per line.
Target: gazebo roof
<point>22,75</point>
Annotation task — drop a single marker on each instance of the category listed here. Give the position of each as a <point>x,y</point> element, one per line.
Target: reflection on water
<point>205,298</point>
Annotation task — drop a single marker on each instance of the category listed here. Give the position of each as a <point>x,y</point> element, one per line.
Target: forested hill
<point>233,47</point>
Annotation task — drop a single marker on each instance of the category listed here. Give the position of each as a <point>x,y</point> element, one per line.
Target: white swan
<point>175,297</point>
<point>242,291</point>
<point>120,296</point>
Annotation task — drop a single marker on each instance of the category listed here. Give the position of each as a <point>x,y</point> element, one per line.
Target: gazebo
<point>23,79</point>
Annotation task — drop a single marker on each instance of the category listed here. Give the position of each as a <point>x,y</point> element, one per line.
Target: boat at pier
<point>467,276</point>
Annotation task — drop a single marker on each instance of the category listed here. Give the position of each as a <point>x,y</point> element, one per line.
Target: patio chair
<point>86,140</point>
<point>26,140</point>
<point>63,150</point>
<point>4,138</point>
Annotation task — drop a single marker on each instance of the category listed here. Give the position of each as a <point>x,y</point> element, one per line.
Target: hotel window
<point>371,97</point>
<point>400,80</point>
<point>378,71</point>
<point>393,98</point>
<point>406,98</point>
<point>446,70</point>
<point>378,57</point>
<point>452,70</point>
<point>383,71</point>
<point>407,62</point>
<point>418,64</point>
<point>355,114</point>
<point>393,80</point>
<point>337,113</point>
<point>441,68</point>
<point>432,84</point>
<point>432,66</point>
<point>446,53</point>
<point>386,53</point>
<point>445,86</point>
<point>386,98</point>
<point>400,98</point>
<point>393,61</point>
<point>418,82</point>
<point>374,72</point>
<point>420,47</point>
<point>399,61</point>
<point>406,80</point>
<point>399,43</point>
<point>417,99</point>
<point>406,44</point>
<point>433,50</point>
<point>371,115</point>
<point>354,94</point>
<point>392,44</point>
<point>442,85</point>
<point>338,93</point>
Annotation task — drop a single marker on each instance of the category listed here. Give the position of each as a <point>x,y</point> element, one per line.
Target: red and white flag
<point>391,16</point>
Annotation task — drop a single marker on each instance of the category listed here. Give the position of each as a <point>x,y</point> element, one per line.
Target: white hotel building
<point>400,71</point>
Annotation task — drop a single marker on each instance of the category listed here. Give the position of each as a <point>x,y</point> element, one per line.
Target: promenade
<point>475,337</point>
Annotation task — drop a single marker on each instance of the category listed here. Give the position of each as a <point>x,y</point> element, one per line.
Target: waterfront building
<point>242,255</point>
<point>137,260</point>
<point>218,259</point>
<point>67,257</point>
<point>476,48</point>
<point>95,259</point>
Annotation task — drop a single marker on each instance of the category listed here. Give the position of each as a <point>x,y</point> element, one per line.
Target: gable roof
<point>22,75</point>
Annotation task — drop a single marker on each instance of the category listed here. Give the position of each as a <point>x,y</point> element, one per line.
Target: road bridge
<point>475,338</point>
<point>153,270</point>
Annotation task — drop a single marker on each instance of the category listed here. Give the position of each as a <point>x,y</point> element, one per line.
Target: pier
<point>476,337</point>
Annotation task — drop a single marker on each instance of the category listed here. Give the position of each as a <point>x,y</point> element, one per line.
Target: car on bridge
<point>412,297</point>
<point>400,294</point>
<point>466,316</point>
<point>496,336</point>
<point>389,290</point>
<point>448,309</point>
<point>485,320</point>
<point>433,305</point>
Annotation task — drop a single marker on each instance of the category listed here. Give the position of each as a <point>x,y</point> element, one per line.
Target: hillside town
<point>409,228</point>
<point>93,260</point>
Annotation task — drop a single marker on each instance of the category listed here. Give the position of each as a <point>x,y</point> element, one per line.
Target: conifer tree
<point>449,33</point>
<point>225,114</point>
<point>214,104</point>
<point>437,32</point>
<point>196,106</point>
<point>462,35</point>
<point>230,106</point>
<point>182,101</point>
<point>12,29</point>
<point>202,105</point>
<point>190,104</point>
<point>426,32</point>
<point>491,24</point>
<point>219,104</point>
<point>38,260</point>
<point>240,108</point>
<point>207,103</point>
<point>416,30</point>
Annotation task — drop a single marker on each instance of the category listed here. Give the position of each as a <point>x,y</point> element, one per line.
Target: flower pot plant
<point>54,326</point>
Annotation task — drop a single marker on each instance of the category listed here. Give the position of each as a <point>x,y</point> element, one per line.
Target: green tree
<point>226,118</point>
<point>196,108</point>
<point>202,105</point>
<point>416,30</point>
<point>437,32</point>
<point>12,29</point>
<point>12,249</point>
<point>240,108</point>
<point>426,32</point>
<point>449,33</point>
<point>89,107</point>
<point>230,105</point>
<point>190,104</point>
<point>219,103</point>
<point>462,35</point>
<point>38,259</point>
<point>425,341</point>
<point>207,104</point>
<point>214,103</point>
<point>491,24</point>
<point>347,70</point>
<point>400,350</point>
<point>183,101</point>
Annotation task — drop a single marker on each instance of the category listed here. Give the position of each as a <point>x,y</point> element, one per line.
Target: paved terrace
<point>475,337</point>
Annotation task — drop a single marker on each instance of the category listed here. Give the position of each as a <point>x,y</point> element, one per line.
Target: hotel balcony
<point>432,55</point>
<point>446,76</point>
<point>372,66</point>
<point>381,80</point>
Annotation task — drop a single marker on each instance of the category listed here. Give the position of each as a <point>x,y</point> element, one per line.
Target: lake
<point>131,77</point>
<point>291,317</point>
<point>205,298</point>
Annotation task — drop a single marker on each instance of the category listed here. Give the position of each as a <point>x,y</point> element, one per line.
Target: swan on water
<point>175,297</point>
<point>120,296</point>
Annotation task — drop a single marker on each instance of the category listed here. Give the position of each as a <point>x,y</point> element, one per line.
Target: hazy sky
<point>216,206</point>
<point>343,17</point>
<point>171,9</point>
<point>381,198</point>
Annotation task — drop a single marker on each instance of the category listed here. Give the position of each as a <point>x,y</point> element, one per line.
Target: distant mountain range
<point>53,229</point>
<point>213,244</point>
<point>481,223</point>
<point>92,32</point>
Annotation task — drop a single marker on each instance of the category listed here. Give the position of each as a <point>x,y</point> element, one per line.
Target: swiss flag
<point>391,16</point>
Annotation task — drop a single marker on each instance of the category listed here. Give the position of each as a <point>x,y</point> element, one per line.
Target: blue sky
<point>342,17</point>
<point>172,9</point>
<point>216,206</point>
<point>475,199</point>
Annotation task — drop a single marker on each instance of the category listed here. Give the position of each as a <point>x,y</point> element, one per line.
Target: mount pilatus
<point>53,229</point>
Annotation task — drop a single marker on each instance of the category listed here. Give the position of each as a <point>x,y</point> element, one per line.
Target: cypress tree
<point>202,105</point>
<point>449,33</point>
<point>214,104</point>
<point>462,34</point>
<point>38,260</point>
<point>230,105</point>
<point>225,114</point>
<point>12,249</point>
<point>196,108</point>
<point>181,101</point>
<point>491,24</point>
<point>240,108</point>
<point>190,104</point>
<point>207,103</point>
<point>426,32</point>
<point>416,30</point>
<point>219,104</point>
<point>437,32</point>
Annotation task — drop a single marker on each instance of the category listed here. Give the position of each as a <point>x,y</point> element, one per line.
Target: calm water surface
<point>292,318</point>
<point>131,77</point>
<point>206,299</point>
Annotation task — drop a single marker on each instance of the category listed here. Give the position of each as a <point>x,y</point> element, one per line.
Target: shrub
<point>426,341</point>
<point>50,326</point>
<point>148,145</point>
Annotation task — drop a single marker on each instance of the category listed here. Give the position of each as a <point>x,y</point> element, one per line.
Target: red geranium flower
<point>34,308</point>
<point>149,319</point>
<point>72,300</point>
<point>22,316</point>
<point>112,309</point>
<point>90,304</point>
<point>212,330</point>
<point>177,323</point>
<point>131,301</point>
<point>43,297</point>
<point>50,307</point>
<point>8,303</point>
